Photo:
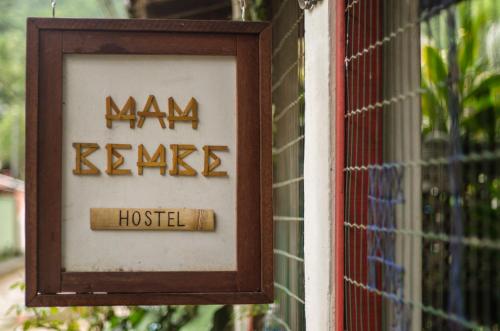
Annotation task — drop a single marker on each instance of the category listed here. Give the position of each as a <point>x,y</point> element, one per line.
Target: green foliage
<point>12,132</point>
<point>6,254</point>
<point>479,83</point>
<point>478,87</point>
<point>11,71</point>
<point>204,320</point>
<point>259,10</point>
<point>121,318</point>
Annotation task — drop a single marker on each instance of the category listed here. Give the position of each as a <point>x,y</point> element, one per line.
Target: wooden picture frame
<point>47,284</point>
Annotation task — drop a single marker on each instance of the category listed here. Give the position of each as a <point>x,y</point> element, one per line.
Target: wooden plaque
<point>166,125</point>
<point>152,219</point>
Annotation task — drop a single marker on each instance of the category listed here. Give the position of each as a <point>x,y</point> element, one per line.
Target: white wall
<point>318,167</point>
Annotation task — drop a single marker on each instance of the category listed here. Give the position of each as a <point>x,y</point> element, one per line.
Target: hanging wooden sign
<point>148,162</point>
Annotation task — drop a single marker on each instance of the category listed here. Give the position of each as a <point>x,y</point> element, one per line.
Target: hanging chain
<point>53,5</point>
<point>243,5</point>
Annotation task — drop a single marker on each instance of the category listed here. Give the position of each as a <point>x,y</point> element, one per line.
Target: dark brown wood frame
<point>47,284</point>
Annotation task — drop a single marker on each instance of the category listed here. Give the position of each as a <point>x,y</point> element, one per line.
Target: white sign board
<point>87,81</point>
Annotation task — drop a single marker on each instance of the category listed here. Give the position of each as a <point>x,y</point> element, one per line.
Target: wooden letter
<point>123,218</point>
<point>127,113</point>
<point>209,167</point>
<point>158,160</point>
<point>134,218</point>
<point>149,221</point>
<point>147,113</point>
<point>179,153</point>
<point>81,155</point>
<point>113,166</point>
<point>175,113</point>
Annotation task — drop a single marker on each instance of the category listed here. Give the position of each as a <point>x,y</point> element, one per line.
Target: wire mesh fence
<point>422,186</point>
<point>288,155</point>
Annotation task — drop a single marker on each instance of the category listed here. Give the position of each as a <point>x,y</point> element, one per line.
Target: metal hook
<point>243,9</point>
<point>53,5</point>
<point>307,4</point>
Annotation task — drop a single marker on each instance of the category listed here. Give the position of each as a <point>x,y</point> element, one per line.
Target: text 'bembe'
<point>115,160</point>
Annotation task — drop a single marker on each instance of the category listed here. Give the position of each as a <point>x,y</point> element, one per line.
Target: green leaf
<point>483,88</point>
<point>27,324</point>
<point>468,45</point>
<point>434,113</point>
<point>136,315</point>
<point>147,319</point>
<point>73,326</point>
<point>21,285</point>
<point>435,74</point>
<point>434,69</point>
<point>203,321</point>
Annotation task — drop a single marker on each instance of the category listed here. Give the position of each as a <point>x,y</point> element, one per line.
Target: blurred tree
<point>478,60</point>
<point>13,14</point>
<point>478,87</point>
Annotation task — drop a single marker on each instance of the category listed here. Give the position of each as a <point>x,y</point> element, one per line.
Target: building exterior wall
<point>8,223</point>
